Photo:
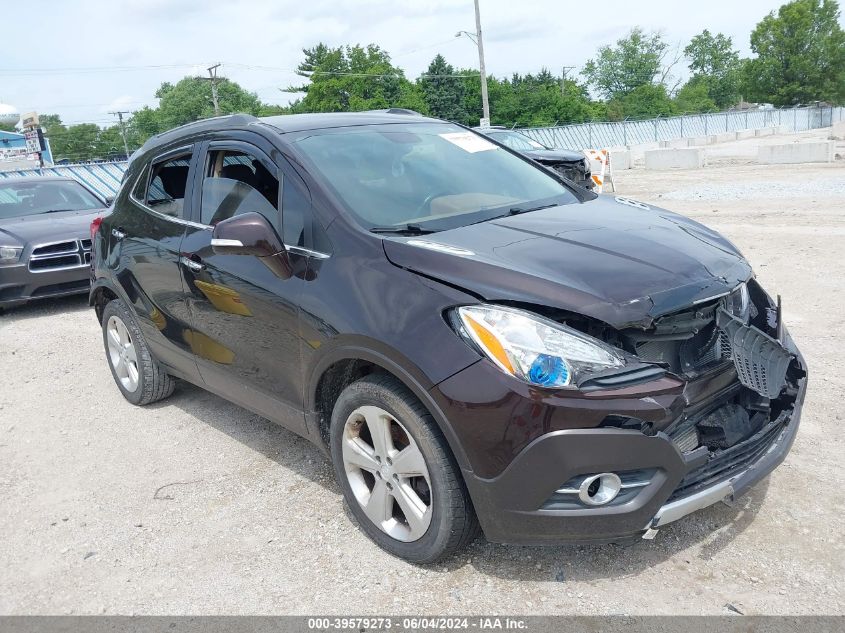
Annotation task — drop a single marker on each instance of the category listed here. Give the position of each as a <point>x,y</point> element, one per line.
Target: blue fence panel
<point>610,134</point>
<point>104,178</point>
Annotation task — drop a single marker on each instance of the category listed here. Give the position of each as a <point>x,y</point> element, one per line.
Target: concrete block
<point>783,129</point>
<point>838,130</point>
<point>620,159</point>
<point>814,152</point>
<point>675,143</point>
<point>725,137</point>
<point>764,131</point>
<point>742,134</point>
<point>674,158</point>
<point>697,141</point>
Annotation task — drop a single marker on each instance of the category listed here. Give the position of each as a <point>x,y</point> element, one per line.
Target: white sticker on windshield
<point>468,141</point>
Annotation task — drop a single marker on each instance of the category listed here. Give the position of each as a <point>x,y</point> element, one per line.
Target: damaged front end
<point>737,343</point>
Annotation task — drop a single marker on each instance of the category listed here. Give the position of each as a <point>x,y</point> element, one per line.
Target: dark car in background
<point>568,163</point>
<point>45,241</point>
<point>472,338</point>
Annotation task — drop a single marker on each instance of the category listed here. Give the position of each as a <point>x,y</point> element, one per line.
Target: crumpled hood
<point>554,155</point>
<point>46,227</point>
<point>612,259</point>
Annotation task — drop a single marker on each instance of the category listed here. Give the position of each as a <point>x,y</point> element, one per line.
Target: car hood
<point>613,259</point>
<point>554,155</point>
<point>47,226</point>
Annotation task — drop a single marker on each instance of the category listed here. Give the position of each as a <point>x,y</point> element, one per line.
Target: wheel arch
<point>102,291</point>
<point>346,364</point>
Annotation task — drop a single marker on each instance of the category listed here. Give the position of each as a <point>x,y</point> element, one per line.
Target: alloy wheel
<point>122,354</point>
<point>387,473</point>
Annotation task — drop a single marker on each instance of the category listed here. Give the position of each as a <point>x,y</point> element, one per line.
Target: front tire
<point>397,473</point>
<point>137,374</point>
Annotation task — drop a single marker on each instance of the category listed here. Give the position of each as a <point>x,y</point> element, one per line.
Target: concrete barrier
<point>742,134</point>
<point>838,131</point>
<point>765,131</point>
<point>674,158</point>
<point>620,158</point>
<point>697,141</point>
<point>725,137</point>
<point>675,143</point>
<point>818,152</point>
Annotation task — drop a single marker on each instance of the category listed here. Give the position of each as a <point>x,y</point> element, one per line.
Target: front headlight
<point>9,254</point>
<point>738,303</point>
<point>535,349</point>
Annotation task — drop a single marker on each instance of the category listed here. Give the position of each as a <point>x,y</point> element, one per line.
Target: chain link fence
<point>612,134</point>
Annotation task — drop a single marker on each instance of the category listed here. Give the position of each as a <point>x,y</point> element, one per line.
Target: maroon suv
<point>475,341</point>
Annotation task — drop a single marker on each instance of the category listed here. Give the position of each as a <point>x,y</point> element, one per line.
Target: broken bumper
<point>523,504</point>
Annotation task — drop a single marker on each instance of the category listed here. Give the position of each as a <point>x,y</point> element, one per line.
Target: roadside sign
<point>34,141</point>
<point>30,119</point>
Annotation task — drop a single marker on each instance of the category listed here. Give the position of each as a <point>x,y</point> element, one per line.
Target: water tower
<point>9,115</point>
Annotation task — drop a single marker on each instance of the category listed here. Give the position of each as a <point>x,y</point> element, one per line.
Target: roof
<point>284,123</point>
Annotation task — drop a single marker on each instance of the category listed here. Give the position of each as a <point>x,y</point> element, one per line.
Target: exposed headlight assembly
<point>9,254</point>
<point>534,349</point>
<point>738,303</point>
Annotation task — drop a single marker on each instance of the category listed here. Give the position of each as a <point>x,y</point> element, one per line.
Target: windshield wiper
<point>58,210</point>
<point>518,210</point>
<point>406,229</point>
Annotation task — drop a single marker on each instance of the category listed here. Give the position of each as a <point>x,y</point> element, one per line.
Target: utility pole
<point>485,103</point>
<point>563,77</point>
<point>212,77</point>
<point>119,116</point>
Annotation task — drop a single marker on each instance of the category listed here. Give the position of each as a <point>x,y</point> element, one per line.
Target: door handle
<point>192,264</point>
<point>118,233</point>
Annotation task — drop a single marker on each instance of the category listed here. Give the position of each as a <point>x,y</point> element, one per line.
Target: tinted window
<point>295,210</point>
<point>166,193</point>
<point>516,141</point>
<point>439,175</point>
<point>30,198</point>
<point>236,183</point>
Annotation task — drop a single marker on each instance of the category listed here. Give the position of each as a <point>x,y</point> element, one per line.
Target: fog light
<point>598,490</point>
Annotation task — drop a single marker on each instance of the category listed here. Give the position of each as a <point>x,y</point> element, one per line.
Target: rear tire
<point>137,374</point>
<point>407,470</point>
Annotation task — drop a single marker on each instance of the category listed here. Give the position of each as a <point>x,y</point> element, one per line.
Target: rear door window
<point>168,181</point>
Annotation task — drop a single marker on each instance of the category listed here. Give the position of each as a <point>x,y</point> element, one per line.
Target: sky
<point>85,58</point>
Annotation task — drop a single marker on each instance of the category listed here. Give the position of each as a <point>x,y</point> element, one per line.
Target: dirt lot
<point>197,506</point>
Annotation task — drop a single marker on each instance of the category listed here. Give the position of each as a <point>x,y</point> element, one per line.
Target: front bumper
<point>18,284</point>
<point>512,502</point>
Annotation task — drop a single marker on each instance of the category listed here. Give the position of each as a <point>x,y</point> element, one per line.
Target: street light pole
<point>485,103</point>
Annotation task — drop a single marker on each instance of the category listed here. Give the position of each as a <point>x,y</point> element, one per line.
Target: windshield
<point>32,198</point>
<point>515,140</point>
<point>427,175</point>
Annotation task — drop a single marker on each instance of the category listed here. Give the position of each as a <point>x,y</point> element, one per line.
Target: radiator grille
<point>60,255</point>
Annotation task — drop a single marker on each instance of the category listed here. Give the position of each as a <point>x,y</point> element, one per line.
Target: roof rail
<point>404,111</point>
<point>238,118</point>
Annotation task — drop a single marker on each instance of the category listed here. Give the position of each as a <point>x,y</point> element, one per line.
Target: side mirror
<point>252,234</point>
<point>109,200</point>
<point>247,234</point>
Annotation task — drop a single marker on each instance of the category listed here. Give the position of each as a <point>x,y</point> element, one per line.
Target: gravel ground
<point>195,506</point>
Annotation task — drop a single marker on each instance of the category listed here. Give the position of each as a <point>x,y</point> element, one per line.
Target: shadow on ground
<point>713,529</point>
<point>45,307</point>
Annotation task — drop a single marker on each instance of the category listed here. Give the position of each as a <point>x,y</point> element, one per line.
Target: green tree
<point>7,127</point>
<point>800,55</point>
<point>190,100</point>
<point>76,142</point>
<point>636,60</point>
<point>443,91</point>
<point>695,96</point>
<point>643,102</point>
<point>715,66</point>
<point>353,78</point>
